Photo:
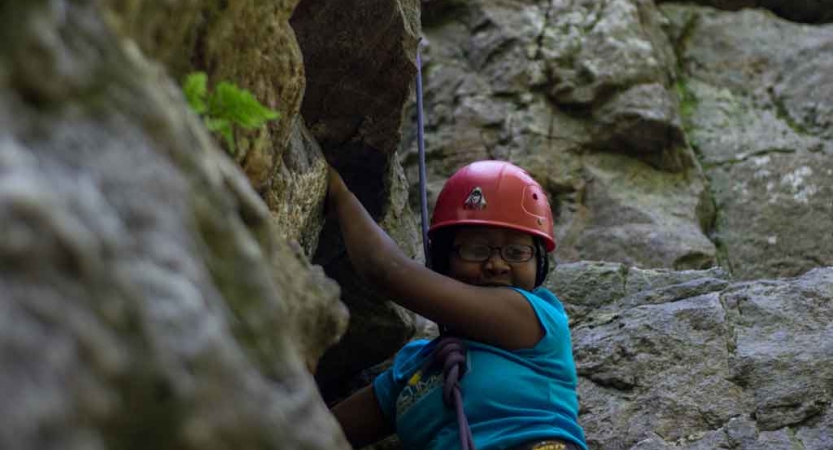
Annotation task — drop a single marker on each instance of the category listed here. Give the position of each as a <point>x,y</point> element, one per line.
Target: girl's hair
<point>443,239</point>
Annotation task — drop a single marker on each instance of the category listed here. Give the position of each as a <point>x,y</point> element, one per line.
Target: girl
<point>509,381</point>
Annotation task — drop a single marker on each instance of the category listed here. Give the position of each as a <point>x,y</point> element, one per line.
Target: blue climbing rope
<point>423,196</point>
<point>450,352</point>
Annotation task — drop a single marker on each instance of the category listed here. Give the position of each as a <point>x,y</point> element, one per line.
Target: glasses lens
<point>474,252</point>
<point>517,252</point>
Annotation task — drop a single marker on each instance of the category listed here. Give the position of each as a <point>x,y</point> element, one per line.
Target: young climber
<point>502,375</point>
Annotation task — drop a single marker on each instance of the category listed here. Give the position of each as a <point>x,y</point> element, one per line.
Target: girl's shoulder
<point>542,295</point>
<point>410,357</point>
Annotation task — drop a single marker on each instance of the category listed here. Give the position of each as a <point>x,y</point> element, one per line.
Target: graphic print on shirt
<point>421,384</point>
<point>417,388</point>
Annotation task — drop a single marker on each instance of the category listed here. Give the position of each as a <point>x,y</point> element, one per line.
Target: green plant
<point>225,107</point>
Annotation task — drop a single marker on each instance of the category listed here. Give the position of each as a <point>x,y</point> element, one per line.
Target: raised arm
<point>496,316</point>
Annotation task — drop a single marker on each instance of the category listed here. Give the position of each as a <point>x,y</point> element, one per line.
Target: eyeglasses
<point>513,253</point>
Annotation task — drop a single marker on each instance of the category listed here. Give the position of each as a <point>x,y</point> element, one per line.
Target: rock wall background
<point>156,292</point>
<point>673,136</point>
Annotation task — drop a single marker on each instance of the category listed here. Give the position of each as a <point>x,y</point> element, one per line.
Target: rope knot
<point>451,355</point>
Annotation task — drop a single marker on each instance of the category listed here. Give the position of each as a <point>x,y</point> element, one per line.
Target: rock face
<point>757,95</point>
<point>582,95</point>
<point>360,60</point>
<point>157,293</point>
<point>680,137</point>
<point>140,274</point>
<point>251,44</point>
<point>809,11</point>
<point>353,81</point>
<point>691,360</point>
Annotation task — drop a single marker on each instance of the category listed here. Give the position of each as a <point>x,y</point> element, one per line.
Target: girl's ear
<point>439,248</point>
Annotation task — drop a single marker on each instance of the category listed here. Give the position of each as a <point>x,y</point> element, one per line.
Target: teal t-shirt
<point>510,397</point>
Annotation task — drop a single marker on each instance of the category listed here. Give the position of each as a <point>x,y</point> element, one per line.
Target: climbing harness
<point>450,352</point>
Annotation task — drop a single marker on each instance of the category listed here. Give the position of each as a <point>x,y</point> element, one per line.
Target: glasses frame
<point>492,249</point>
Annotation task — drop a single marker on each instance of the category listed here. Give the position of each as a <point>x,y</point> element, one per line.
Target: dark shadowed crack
<point>681,43</point>
<point>782,113</point>
<point>675,292</point>
<point>795,442</point>
<point>539,40</point>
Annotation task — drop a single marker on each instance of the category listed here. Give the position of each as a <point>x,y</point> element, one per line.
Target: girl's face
<point>495,270</point>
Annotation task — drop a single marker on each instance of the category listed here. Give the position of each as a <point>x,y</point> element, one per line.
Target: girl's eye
<point>480,251</point>
<point>518,252</point>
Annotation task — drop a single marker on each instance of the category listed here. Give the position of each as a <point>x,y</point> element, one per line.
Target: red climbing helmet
<point>495,193</point>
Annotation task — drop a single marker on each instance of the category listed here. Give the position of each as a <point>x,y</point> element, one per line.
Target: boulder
<point>703,363</point>
<point>250,44</point>
<point>146,295</point>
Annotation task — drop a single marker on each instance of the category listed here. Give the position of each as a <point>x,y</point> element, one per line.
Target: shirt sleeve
<point>386,391</point>
<point>389,383</point>
<point>551,316</point>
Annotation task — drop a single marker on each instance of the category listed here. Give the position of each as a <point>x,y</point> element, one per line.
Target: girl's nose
<point>495,264</point>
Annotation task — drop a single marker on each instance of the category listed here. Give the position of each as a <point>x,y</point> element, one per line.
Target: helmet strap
<point>543,262</point>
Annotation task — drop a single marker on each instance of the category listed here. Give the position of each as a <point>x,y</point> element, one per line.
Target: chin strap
<point>450,352</point>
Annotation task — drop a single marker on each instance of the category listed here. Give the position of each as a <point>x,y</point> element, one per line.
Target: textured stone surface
<point>250,44</point>
<point>372,315</point>
<point>359,58</point>
<point>149,302</point>
<point>704,363</point>
<point>756,104</point>
<point>139,306</point>
<point>641,216</point>
<point>809,11</point>
<point>353,79</point>
<point>581,95</point>
<point>775,213</point>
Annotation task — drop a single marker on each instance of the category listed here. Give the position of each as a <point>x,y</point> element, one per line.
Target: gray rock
<point>644,120</point>
<point>774,213</point>
<point>655,368</point>
<point>639,280</point>
<point>359,60</point>
<point>729,128</point>
<point>783,344</point>
<point>805,87</point>
<point>744,365</point>
<point>644,217</point>
<point>593,48</point>
<point>489,74</point>
<point>755,102</point>
<point>229,43</point>
<point>809,11</point>
<point>588,283</point>
<point>139,305</point>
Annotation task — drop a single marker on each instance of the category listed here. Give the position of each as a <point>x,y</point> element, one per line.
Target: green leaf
<point>239,107</point>
<point>195,89</point>
<point>225,108</point>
